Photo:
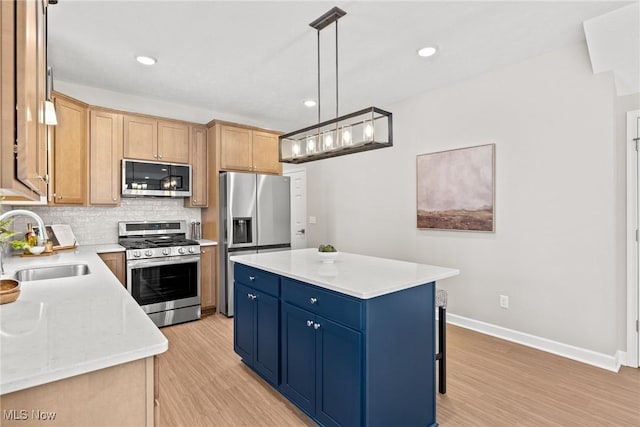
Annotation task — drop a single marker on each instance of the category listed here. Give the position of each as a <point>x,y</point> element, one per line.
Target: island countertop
<point>360,276</point>
<point>59,328</point>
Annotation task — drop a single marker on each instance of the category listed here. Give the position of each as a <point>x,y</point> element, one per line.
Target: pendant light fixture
<point>364,130</point>
<point>50,117</point>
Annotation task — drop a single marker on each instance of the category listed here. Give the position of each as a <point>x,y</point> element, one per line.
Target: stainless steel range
<point>163,269</point>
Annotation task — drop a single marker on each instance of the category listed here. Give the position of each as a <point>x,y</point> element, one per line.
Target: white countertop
<point>64,327</point>
<point>360,276</point>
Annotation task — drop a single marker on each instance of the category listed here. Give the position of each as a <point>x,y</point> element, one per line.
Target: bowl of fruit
<point>327,253</point>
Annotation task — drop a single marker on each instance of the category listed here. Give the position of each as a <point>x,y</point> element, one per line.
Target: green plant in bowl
<point>327,248</point>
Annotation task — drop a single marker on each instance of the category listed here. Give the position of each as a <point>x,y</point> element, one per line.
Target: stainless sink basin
<point>52,272</point>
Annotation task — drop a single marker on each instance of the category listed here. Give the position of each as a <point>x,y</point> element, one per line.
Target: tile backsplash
<point>98,225</point>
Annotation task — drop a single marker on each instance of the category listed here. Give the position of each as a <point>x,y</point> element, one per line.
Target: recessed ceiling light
<point>310,103</point>
<point>146,60</point>
<point>427,51</point>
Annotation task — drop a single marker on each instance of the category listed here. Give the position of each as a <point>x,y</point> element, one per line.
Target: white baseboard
<point>604,361</point>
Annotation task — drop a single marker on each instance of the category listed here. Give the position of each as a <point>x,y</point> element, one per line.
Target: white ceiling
<point>257,60</point>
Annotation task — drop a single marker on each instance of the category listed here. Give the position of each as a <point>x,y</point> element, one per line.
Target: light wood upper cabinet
<point>235,148</point>
<point>104,157</point>
<point>199,168</point>
<point>265,153</point>
<point>30,132</point>
<point>69,156</point>
<point>173,142</point>
<point>140,137</point>
<point>147,138</point>
<point>245,149</point>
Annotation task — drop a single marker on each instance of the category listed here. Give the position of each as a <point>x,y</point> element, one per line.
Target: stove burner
<point>155,242</point>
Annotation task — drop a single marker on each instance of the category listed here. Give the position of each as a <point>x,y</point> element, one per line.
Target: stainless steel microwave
<point>141,178</point>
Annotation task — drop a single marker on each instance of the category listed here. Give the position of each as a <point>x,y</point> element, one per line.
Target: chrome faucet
<point>41,230</point>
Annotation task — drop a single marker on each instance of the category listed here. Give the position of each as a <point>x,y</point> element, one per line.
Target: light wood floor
<point>490,382</point>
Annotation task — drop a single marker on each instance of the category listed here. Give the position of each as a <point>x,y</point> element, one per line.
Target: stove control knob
<point>181,251</point>
<point>136,254</point>
<point>166,251</point>
<point>148,252</point>
<point>192,250</point>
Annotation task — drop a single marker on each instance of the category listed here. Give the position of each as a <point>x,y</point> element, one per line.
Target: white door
<point>298,208</point>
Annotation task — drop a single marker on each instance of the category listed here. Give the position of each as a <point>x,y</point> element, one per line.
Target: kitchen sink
<point>52,272</point>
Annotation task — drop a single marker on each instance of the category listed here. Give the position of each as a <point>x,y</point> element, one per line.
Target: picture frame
<point>455,189</point>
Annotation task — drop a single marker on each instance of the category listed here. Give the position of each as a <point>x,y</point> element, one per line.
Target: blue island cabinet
<point>353,362</point>
<point>256,321</point>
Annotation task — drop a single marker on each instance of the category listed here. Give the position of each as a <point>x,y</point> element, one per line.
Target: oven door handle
<point>156,262</point>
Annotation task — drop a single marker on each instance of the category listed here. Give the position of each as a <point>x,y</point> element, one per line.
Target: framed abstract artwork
<point>456,189</point>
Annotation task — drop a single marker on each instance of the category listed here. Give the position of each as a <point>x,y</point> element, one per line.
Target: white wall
<point>558,199</point>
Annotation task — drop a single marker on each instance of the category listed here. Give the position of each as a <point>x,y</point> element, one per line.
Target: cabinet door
<point>243,322</point>
<point>199,168</point>
<point>298,357</point>
<point>140,138</point>
<point>265,153</point>
<point>339,374</point>
<point>235,148</point>
<point>173,142</point>
<point>207,273</point>
<point>70,152</point>
<point>104,159</point>
<point>31,167</point>
<point>266,356</point>
<point>115,262</point>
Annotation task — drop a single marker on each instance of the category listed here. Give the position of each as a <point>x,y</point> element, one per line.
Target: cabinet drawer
<point>339,308</point>
<point>257,279</point>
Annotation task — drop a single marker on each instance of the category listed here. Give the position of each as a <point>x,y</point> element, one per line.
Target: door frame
<point>289,172</point>
<point>633,225</point>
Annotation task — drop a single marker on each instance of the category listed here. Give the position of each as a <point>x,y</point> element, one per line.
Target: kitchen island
<point>351,343</point>
<point>76,350</point>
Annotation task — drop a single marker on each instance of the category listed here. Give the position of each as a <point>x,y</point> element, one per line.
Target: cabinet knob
<point>114,199</point>
<point>309,323</point>
<point>155,156</point>
<point>160,155</point>
<point>252,278</point>
<point>251,296</point>
<point>313,300</point>
<point>316,326</point>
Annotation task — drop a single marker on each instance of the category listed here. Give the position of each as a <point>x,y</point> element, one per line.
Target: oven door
<point>164,283</point>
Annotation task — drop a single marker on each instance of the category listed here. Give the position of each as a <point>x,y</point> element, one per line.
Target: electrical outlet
<point>312,220</point>
<point>504,301</point>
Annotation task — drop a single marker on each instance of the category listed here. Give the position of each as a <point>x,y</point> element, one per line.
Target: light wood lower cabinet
<point>115,262</point>
<point>104,157</point>
<point>208,257</point>
<point>69,153</point>
<point>124,395</point>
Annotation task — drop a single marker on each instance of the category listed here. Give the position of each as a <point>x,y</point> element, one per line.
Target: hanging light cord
<point>337,109</point>
<point>337,69</point>
<point>318,76</point>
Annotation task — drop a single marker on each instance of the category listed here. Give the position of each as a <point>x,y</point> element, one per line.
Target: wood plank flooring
<point>490,382</point>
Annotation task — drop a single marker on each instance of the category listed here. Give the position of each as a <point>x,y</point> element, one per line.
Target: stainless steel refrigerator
<point>255,216</point>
